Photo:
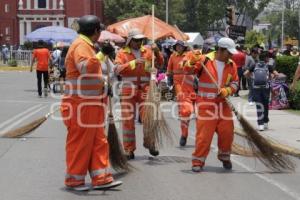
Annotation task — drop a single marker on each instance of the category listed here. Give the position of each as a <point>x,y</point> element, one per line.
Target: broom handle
<point>108,82</point>
<point>153,74</point>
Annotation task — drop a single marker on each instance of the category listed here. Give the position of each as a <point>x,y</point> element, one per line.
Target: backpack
<point>260,75</point>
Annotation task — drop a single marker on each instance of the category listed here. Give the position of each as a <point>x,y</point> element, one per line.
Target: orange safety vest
<point>135,75</point>
<point>175,67</point>
<point>84,75</point>
<point>207,90</point>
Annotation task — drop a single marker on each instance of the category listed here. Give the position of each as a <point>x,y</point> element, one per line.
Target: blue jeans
<point>250,88</point>
<point>261,98</point>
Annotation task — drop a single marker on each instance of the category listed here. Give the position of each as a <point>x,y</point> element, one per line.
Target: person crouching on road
<point>84,112</point>
<point>214,114</point>
<point>43,57</point>
<point>134,66</point>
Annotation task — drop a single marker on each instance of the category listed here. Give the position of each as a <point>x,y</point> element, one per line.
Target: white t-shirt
<point>220,69</point>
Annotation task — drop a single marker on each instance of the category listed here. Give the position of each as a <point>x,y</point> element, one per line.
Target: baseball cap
<point>228,44</point>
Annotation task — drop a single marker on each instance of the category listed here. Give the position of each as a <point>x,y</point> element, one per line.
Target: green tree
<point>252,38</point>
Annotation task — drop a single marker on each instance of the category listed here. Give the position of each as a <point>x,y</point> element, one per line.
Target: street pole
<point>167,11</point>
<point>282,25</point>
<point>299,24</point>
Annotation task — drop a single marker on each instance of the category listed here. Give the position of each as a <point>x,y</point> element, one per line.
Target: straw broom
<point>28,127</point>
<point>268,155</point>
<point>285,149</point>
<point>117,157</point>
<point>154,123</point>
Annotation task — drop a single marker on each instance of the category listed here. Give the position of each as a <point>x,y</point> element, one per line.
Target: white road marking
<point>18,115</point>
<point>24,101</point>
<point>8,128</point>
<point>271,181</point>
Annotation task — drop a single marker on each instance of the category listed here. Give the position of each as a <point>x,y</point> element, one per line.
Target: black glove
<point>108,49</point>
<point>170,80</point>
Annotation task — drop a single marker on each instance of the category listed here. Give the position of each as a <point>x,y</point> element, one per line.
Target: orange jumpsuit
<point>214,114</point>
<point>185,94</point>
<point>83,112</point>
<point>134,87</point>
<point>189,95</point>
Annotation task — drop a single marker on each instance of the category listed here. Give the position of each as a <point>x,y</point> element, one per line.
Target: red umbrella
<point>162,29</point>
<point>106,35</point>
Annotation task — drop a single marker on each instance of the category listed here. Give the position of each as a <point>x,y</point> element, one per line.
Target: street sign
<point>237,32</point>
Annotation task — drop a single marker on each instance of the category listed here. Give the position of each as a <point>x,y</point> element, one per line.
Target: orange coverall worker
<point>134,87</point>
<point>189,95</point>
<point>83,112</point>
<point>175,69</point>
<point>214,114</point>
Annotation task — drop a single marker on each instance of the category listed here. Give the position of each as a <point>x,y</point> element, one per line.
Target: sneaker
<point>261,127</point>
<point>154,152</point>
<point>108,185</point>
<point>196,169</point>
<point>251,103</point>
<point>40,96</point>
<point>129,155</point>
<point>266,126</point>
<point>182,141</point>
<point>79,188</point>
<point>236,95</point>
<point>227,164</point>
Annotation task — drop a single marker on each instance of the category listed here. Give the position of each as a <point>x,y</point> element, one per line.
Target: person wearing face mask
<point>217,81</point>
<point>134,65</point>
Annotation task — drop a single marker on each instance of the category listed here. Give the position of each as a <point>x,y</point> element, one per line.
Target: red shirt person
<point>43,57</point>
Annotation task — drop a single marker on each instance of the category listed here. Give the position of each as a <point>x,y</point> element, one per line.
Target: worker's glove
<point>170,80</point>
<point>108,49</point>
<point>224,92</point>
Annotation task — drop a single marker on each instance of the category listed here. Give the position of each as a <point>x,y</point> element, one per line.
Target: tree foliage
<point>189,15</point>
<point>252,38</point>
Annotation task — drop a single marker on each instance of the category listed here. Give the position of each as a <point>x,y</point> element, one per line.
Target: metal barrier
<point>23,57</point>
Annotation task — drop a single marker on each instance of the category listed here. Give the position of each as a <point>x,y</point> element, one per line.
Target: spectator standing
<point>239,59</point>
<point>261,88</point>
<point>251,61</point>
<point>43,58</point>
<point>5,53</point>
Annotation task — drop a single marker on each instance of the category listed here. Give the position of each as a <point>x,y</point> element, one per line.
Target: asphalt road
<point>32,168</point>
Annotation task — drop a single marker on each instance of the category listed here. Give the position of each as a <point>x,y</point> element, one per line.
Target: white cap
<point>134,34</point>
<point>228,44</point>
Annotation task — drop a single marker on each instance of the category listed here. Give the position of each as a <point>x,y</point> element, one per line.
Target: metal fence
<point>23,57</point>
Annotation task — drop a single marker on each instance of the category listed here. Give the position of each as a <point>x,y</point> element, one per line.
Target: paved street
<point>32,168</point>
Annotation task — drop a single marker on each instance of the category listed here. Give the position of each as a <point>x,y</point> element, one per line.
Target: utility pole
<point>282,25</point>
<point>299,23</point>
<point>167,11</point>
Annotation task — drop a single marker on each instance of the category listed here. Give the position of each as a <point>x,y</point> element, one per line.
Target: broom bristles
<point>269,156</point>
<point>117,157</point>
<point>155,126</point>
<point>276,145</point>
<point>241,151</point>
<point>25,129</point>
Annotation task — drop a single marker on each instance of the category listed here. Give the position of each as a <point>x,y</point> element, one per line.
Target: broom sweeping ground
<point>28,127</point>
<point>117,157</point>
<point>276,145</point>
<point>155,126</point>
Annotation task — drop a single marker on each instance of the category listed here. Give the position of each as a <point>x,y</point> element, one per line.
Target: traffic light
<point>230,15</point>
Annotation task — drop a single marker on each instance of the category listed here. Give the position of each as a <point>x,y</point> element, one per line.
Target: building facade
<point>20,17</point>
